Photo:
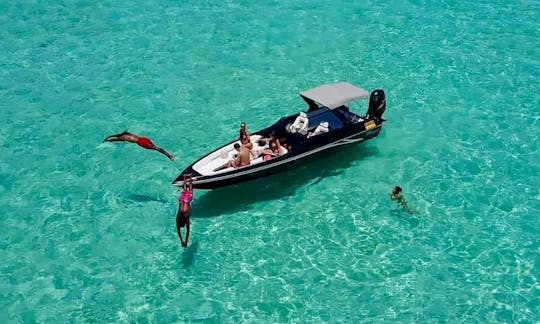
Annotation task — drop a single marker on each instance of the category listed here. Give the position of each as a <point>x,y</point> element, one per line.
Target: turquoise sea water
<point>87,229</point>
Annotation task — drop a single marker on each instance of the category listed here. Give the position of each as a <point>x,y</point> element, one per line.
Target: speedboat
<point>326,123</point>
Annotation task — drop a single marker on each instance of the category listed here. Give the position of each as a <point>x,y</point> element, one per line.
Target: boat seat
<point>300,124</point>
<point>257,149</point>
<point>257,160</point>
<point>255,138</point>
<point>322,128</point>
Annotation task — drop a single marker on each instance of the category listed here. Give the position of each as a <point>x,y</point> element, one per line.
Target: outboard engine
<point>377,104</point>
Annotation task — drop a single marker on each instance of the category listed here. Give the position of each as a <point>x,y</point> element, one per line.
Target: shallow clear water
<point>87,229</point>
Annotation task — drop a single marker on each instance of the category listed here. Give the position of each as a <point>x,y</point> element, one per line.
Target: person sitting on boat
<point>246,141</point>
<point>258,149</point>
<point>286,146</point>
<point>184,209</point>
<point>273,151</point>
<point>139,140</point>
<point>242,158</point>
<point>242,130</point>
<point>271,139</point>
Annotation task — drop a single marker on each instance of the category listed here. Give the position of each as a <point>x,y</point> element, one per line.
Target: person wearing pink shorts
<point>184,209</point>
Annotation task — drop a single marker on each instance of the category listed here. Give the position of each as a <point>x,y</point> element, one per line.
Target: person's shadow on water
<point>138,198</point>
<point>239,197</point>
<point>188,254</point>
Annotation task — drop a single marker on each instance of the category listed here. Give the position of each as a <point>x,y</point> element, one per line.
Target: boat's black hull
<point>277,165</point>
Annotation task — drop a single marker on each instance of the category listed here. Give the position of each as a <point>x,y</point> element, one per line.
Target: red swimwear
<point>185,197</point>
<point>145,142</point>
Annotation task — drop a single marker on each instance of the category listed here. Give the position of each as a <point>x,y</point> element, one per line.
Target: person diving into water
<point>142,141</point>
<point>184,209</point>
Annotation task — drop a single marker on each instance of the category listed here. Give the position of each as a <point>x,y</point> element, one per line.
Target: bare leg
<point>178,227</point>
<point>184,243</point>
<point>125,137</point>
<point>224,166</point>
<point>115,137</point>
<point>219,168</point>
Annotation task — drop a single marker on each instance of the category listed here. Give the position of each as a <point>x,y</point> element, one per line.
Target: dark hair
<point>261,142</point>
<point>236,146</point>
<point>397,188</point>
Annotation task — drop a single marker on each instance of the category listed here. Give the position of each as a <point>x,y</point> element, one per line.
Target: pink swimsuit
<point>185,197</point>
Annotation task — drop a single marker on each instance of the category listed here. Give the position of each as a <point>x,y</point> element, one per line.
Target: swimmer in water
<point>143,142</point>
<point>395,194</point>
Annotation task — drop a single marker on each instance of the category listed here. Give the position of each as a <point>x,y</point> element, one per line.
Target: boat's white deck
<point>216,159</point>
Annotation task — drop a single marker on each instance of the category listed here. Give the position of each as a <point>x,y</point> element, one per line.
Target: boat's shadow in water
<point>239,197</point>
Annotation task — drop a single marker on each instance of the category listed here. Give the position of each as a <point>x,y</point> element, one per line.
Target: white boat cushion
<point>301,123</point>
<point>322,128</point>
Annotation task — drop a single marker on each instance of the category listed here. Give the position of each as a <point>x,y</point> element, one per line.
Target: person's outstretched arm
<point>162,151</point>
<point>184,185</point>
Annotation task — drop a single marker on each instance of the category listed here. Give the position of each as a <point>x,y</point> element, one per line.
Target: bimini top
<point>332,95</point>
